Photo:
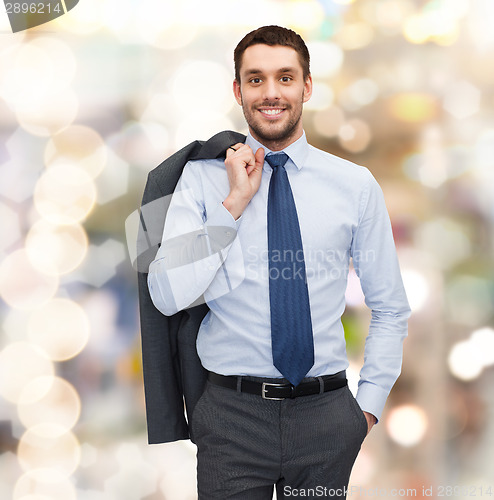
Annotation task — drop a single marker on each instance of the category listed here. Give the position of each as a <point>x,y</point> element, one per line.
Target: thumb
<point>259,157</point>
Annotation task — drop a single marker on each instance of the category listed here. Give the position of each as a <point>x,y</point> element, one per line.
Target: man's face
<point>272,92</point>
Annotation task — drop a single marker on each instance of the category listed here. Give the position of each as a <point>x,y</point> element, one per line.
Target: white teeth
<point>272,111</point>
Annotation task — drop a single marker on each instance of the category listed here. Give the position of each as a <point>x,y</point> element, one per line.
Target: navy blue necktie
<point>291,325</point>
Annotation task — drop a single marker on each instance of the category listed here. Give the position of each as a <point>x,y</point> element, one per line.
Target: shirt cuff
<point>371,398</point>
<point>222,214</point>
<point>221,228</point>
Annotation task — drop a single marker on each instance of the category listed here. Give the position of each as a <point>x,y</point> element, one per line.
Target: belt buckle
<point>264,391</point>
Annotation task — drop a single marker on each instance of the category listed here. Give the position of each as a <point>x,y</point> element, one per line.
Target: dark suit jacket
<point>172,369</point>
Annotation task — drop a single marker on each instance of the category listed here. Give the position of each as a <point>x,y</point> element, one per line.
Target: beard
<point>273,131</point>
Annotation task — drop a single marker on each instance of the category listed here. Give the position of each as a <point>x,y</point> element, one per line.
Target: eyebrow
<point>256,71</point>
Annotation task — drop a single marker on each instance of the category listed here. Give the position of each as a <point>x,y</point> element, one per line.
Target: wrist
<point>235,205</point>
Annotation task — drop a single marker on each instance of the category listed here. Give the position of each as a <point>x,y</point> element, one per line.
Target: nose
<point>271,90</point>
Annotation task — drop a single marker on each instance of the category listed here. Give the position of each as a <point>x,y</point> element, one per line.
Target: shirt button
<point>210,268</point>
<point>228,233</point>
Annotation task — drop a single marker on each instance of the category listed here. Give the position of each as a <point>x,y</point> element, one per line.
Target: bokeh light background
<point>92,101</point>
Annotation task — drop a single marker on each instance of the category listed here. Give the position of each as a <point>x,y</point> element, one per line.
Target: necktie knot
<point>277,160</point>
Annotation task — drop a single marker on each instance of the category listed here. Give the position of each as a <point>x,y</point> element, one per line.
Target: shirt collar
<point>297,151</point>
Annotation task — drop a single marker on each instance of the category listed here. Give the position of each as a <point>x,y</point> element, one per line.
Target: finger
<point>233,149</point>
<point>258,161</point>
<point>243,157</point>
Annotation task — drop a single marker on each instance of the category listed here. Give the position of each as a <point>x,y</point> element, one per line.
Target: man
<point>276,409</point>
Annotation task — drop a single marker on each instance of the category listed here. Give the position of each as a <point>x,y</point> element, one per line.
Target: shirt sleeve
<point>193,248</point>
<point>376,264</point>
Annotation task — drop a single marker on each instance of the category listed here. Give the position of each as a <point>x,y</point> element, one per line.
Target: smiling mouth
<point>271,112</point>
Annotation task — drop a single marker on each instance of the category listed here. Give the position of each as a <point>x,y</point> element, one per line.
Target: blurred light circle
<point>63,61</point>
<point>86,18</point>
<point>389,15</point>
<point>363,91</point>
<point>35,390</point>
<point>136,137</point>
<point>407,425</point>
<point>462,99</point>
<point>29,77</point>
<point>56,250</point>
<point>171,38</point>
<point>437,24</point>
<point>158,24</point>
<point>484,154</point>
<point>49,114</point>
<point>354,36</point>
<point>32,70</point>
<point>413,107</point>
<point>483,341</point>
<point>14,325</point>
<point>64,194</point>
<point>80,145</point>
<point>354,135</point>
<point>208,82</point>
<point>60,328</point>
<point>465,360</point>
<point>415,29</point>
<point>201,124</point>
<point>160,107</point>
<point>416,287</point>
<point>60,405</point>
<point>469,299</point>
<point>322,97</point>
<point>47,484</point>
<point>20,363</point>
<point>326,59</point>
<point>445,239</point>
<point>303,15</point>
<point>11,229</point>
<point>22,286</point>
<point>118,17</point>
<point>49,446</point>
<point>328,122</point>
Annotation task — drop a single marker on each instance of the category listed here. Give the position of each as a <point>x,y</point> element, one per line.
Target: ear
<point>307,88</point>
<point>237,92</point>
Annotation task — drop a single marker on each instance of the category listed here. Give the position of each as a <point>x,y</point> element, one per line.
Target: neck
<point>279,144</point>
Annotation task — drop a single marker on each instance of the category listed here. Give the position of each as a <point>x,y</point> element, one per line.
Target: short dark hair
<point>273,35</point>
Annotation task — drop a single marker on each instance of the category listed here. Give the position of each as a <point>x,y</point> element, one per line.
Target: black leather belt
<point>278,392</point>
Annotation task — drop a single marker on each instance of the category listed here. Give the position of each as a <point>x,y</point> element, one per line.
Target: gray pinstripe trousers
<point>247,445</point>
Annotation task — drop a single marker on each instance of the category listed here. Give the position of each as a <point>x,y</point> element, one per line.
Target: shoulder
<point>204,167</point>
<point>339,168</point>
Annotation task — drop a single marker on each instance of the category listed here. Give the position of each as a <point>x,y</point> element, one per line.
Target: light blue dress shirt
<point>342,215</point>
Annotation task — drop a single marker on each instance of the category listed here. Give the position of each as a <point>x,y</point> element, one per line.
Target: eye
<point>255,80</point>
<point>286,78</point>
